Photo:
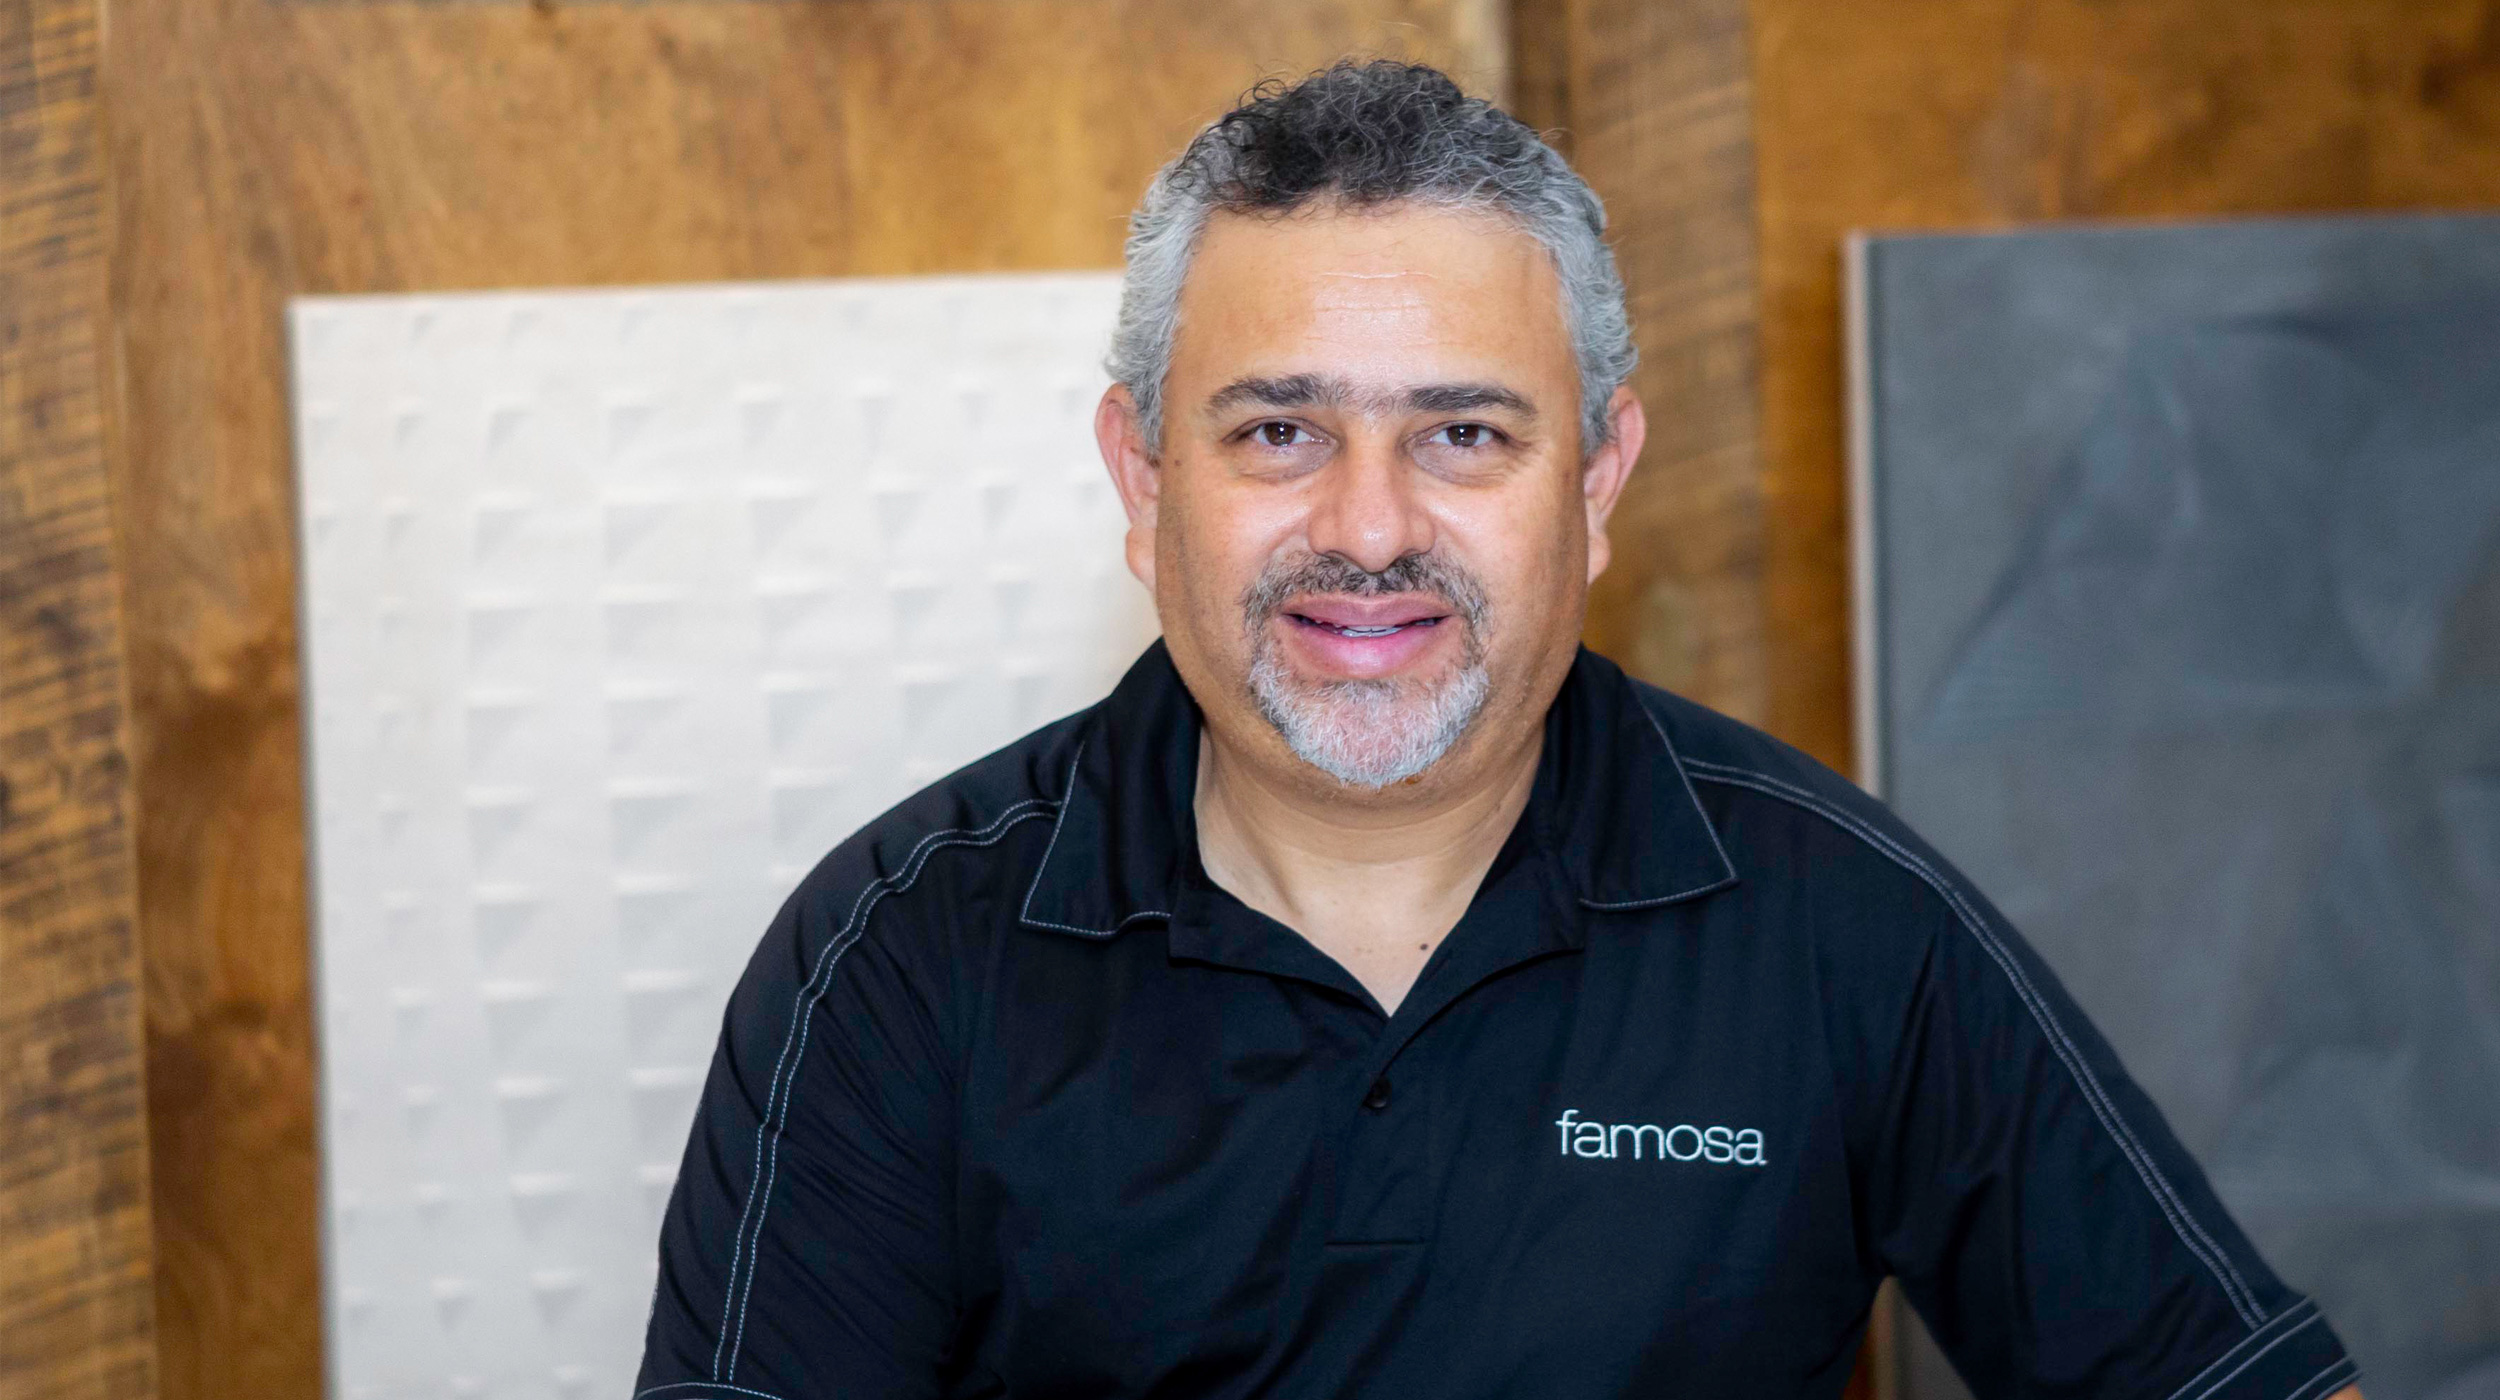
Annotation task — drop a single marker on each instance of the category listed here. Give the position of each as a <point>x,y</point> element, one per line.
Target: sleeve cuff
<point>2294,1356</point>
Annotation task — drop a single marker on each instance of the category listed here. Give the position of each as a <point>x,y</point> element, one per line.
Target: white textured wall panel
<point>621,608</point>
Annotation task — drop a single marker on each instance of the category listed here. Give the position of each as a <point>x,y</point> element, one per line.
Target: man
<point>1378,995</point>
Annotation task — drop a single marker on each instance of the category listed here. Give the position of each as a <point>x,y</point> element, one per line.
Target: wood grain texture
<point>1903,114</point>
<point>263,150</point>
<point>74,1244</point>
<point>1653,103</point>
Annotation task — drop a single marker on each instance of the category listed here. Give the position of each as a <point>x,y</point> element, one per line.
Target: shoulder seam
<point>2341,1372</point>
<point>2182,1222</point>
<point>777,1101</point>
<point>703,1385</point>
<point>2242,1351</point>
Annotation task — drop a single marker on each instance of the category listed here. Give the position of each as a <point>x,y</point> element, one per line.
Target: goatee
<point>1368,733</point>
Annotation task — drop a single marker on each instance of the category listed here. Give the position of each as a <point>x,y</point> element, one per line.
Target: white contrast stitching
<point>852,928</point>
<point>808,993</point>
<point>1605,906</point>
<point>1067,799</point>
<point>2182,1223</point>
<point>1727,867</point>
<point>2341,1372</point>
<point>706,1385</point>
<point>2259,1354</point>
<point>1099,932</point>
<point>2295,1310</point>
<point>1678,760</point>
<point>773,1094</point>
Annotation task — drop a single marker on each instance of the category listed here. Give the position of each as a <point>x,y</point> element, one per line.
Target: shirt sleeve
<point>807,1246</point>
<point>2036,1209</point>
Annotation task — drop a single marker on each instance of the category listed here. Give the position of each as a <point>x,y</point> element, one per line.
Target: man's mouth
<point>1388,630</point>
<point>1365,619</point>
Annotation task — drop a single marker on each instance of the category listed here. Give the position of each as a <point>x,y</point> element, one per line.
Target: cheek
<point>1206,557</point>
<point>1530,551</point>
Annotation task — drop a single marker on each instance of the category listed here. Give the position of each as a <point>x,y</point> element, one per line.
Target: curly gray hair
<point>1370,134</point>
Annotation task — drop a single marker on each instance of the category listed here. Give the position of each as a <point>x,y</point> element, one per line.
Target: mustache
<point>1421,572</point>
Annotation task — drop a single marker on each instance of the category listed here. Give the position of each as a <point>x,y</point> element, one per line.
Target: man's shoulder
<point>991,810</point>
<point>1719,749</point>
<point>1784,815</point>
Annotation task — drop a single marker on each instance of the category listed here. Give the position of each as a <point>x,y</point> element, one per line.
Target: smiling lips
<point>1365,638</point>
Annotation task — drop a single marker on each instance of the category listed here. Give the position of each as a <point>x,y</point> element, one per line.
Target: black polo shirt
<point>1013,1100</point>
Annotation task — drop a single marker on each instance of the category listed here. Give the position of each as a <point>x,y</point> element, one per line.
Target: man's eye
<point>1280,434</point>
<point>1465,434</point>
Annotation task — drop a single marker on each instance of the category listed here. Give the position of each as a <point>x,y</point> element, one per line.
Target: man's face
<point>1371,528</point>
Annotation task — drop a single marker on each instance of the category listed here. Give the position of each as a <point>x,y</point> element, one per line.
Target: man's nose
<point>1368,508</point>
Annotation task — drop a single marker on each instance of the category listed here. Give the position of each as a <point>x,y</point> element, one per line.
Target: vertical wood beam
<point>75,1320</point>
<point>1654,104</point>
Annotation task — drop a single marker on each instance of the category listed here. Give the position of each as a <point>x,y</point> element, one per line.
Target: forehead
<point>1400,290</point>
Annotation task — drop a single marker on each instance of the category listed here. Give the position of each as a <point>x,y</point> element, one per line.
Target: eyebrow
<point>1284,391</point>
<point>1329,391</point>
<point>1465,398</point>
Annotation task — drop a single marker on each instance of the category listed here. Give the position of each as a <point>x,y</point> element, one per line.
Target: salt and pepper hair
<point>1368,135</point>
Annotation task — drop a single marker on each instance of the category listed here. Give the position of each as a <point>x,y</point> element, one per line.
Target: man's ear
<point>1134,473</point>
<point>1603,474</point>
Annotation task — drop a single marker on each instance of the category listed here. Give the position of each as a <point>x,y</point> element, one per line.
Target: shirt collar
<point>1612,804</point>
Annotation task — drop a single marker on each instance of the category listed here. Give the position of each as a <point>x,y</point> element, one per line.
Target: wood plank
<point>1653,103</point>
<point>267,149</point>
<point>74,1248</point>
<point>1983,113</point>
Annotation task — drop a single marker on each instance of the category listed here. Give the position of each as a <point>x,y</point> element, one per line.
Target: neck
<point>1374,879</point>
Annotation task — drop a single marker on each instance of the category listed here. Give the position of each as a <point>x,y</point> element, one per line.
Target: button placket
<point>1383,1174</point>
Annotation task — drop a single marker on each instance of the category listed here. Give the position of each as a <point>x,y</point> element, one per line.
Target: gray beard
<point>1367,733</point>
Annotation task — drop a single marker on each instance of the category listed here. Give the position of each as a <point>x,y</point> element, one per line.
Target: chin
<point>1369,734</point>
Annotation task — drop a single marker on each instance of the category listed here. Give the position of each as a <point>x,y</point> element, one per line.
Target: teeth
<point>1369,631</point>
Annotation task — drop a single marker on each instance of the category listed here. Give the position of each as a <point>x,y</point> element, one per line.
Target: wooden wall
<point>74,1248</point>
<point>1982,113</point>
<point>258,149</point>
<point>265,149</point>
<point>1654,104</point>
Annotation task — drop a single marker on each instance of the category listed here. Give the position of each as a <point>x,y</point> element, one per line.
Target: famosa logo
<point>1685,1142</point>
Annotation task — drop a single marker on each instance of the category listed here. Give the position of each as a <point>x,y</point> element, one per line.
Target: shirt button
<point>1378,1098</point>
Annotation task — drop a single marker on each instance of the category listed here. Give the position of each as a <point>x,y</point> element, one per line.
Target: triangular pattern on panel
<point>643,816</point>
<point>525,1105</point>
<point>795,715</point>
<point>555,1292</point>
<point>650,910</point>
<point>575,743</point>
<point>502,916</point>
<point>515,1011</point>
<point>808,811</point>
<point>630,526</point>
<point>643,626</point>
<point>498,529</point>
<point>496,820</point>
<point>540,1200</point>
<point>499,631</point>
<point>778,516</point>
<point>492,721</point>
